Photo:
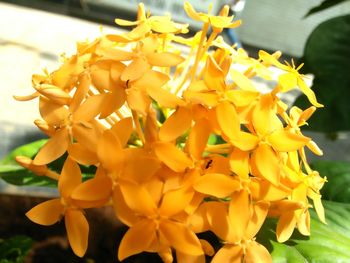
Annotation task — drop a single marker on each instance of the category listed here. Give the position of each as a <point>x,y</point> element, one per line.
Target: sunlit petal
<point>267,163</point>
<point>286,141</point>
<point>54,148</point>
<point>172,156</point>
<point>285,226</point>
<point>198,138</point>
<point>164,59</point>
<point>180,237</point>
<point>219,185</point>
<point>228,120</point>
<point>239,213</point>
<point>257,253</point>
<point>228,253</point>
<point>176,124</point>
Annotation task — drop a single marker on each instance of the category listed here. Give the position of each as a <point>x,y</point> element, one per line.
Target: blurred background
<point>35,33</point>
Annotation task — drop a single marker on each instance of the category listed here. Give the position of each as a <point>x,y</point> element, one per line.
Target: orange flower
<point>50,212</point>
<point>182,143</point>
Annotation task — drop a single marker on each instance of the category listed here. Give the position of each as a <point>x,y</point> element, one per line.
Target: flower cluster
<point>182,140</point>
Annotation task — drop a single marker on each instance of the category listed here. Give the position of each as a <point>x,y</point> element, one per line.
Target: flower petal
<point>82,155</point>
<point>101,77</point>
<point>287,81</point>
<point>138,100</point>
<point>264,190</point>
<point>123,130</point>
<point>77,231</point>
<point>70,178</point>
<point>218,219</point>
<point>191,12</point>
<point>112,101</point>
<point>138,199</point>
<point>267,163</point>
<point>89,109</point>
<point>172,156</point>
<point>242,98</point>
<point>246,141</point>
<point>46,213</point>
<point>180,237</point>
<point>239,215</point>
<point>109,151</point>
<point>164,97</point>
<point>229,253</point>
<point>135,70</point>
<point>198,221</point>
<point>218,185</point>
<point>303,223</point>
<point>54,148</point>
<point>198,138</point>
<point>164,59</point>
<point>239,163</point>
<point>137,239</point>
<point>96,189</point>
<point>80,93</point>
<point>54,94</point>
<point>286,141</point>
<point>228,120</point>
<point>151,78</point>
<point>309,93</point>
<point>257,253</point>
<point>285,226</point>
<point>176,125</point>
<point>139,167</point>
<point>259,214</point>
<point>242,81</point>
<point>175,201</point>
<point>51,112</point>
<point>209,99</point>
<point>121,209</point>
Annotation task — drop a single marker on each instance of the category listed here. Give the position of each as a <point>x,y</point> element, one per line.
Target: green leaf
<point>324,5</point>
<point>338,176</point>
<point>326,55</point>
<point>327,243</point>
<point>14,249</point>
<point>29,150</point>
<point>13,173</point>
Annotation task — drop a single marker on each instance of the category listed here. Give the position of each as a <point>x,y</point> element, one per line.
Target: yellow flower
<point>292,78</point>
<point>158,231</point>
<point>217,22</point>
<point>50,212</point>
<point>145,24</point>
<point>182,143</point>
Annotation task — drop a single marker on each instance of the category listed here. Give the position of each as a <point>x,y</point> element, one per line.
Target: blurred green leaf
<point>327,244</point>
<point>14,250</point>
<point>324,5</point>
<point>13,173</point>
<point>338,174</point>
<point>326,55</point>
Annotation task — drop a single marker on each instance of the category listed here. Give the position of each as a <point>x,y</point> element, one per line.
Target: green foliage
<point>13,173</point>
<point>14,250</point>
<point>324,5</point>
<point>338,175</point>
<point>326,55</point>
<point>327,243</point>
